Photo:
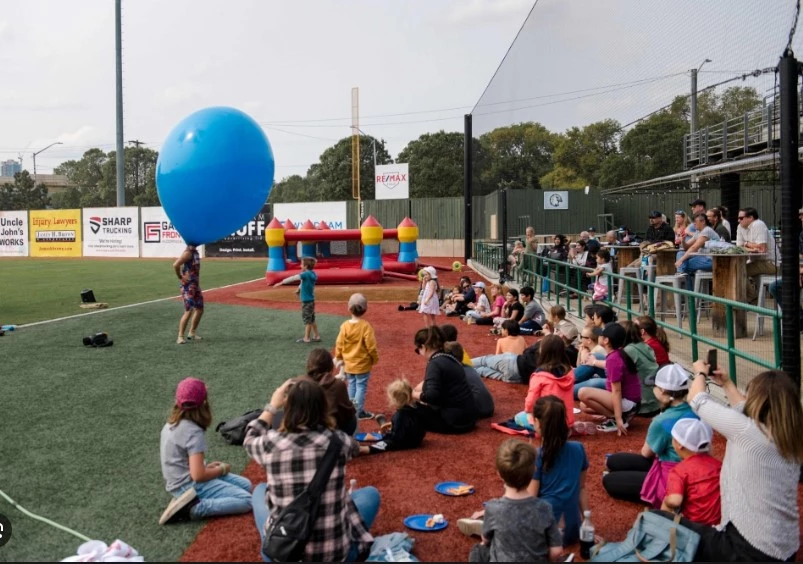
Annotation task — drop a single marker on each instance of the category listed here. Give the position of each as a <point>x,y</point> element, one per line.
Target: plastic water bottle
<point>586,535</point>
<point>8,327</point>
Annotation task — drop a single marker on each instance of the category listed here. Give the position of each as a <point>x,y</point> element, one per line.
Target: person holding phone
<point>760,472</point>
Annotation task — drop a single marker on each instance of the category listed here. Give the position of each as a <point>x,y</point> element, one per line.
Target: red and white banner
<point>159,237</point>
<point>111,232</point>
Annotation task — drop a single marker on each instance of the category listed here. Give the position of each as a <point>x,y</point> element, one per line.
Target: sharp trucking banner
<point>55,233</point>
<point>111,232</point>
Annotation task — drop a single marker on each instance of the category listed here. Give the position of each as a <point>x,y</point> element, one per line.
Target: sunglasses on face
<point>680,212</point>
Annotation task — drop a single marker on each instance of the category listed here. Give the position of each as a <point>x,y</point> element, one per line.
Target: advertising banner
<point>55,233</point>
<point>333,213</point>
<point>556,200</point>
<point>159,237</point>
<point>248,241</point>
<point>111,232</point>
<point>392,182</point>
<point>13,233</point>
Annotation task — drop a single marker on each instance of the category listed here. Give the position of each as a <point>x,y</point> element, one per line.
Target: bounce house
<point>370,268</point>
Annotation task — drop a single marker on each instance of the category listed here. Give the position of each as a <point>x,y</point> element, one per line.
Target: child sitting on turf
<point>405,430</point>
<point>199,490</point>
<point>693,485</point>
<point>517,527</point>
<point>355,347</point>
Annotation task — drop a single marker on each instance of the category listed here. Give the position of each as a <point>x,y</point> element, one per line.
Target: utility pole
<point>136,143</point>
<point>118,39</point>
<point>694,102</point>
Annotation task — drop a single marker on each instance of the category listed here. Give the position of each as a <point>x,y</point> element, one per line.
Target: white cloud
<point>485,10</point>
<point>180,94</point>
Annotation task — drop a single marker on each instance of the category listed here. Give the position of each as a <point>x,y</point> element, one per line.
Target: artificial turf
<point>80,426</point>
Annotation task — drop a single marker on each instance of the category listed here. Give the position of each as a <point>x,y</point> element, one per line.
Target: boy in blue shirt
<point>306,293</point>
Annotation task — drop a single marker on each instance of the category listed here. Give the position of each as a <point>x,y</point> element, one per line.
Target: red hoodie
<point>544,383</point>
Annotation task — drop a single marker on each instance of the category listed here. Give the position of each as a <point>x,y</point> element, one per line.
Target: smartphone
<point>712,361</point>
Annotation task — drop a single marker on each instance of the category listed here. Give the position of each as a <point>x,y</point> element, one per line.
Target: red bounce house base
<point>346,271</point>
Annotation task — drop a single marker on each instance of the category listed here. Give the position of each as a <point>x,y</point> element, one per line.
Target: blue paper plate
<point>368,437</point>
<point>444,487</point>
<point>419,523</point>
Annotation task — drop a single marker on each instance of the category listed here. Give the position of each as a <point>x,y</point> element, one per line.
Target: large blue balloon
<point>214,173</point>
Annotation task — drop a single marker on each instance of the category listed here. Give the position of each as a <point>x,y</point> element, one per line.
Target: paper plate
<point>419,523</point>
<point>444,487</point>
<point>368,437</point>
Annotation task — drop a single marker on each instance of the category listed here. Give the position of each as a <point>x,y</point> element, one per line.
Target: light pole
<point>694,95</point>
<point>41,151</point>
<point>373,141</point>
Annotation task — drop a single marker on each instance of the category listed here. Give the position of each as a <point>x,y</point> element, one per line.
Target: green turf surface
<point>80,426</point>
<point>35,289</point>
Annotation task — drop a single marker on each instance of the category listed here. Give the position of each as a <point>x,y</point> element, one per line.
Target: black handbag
<point>286,539</point>
<point>233,430</point>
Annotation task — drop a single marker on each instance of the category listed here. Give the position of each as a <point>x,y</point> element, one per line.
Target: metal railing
<point>752,132</point>
<point>564,280</point>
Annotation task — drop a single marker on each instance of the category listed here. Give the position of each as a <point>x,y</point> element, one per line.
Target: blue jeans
<point>594,382</point>
<point>498,367</point>
<point>357,385</point>
<point>692,265</point>
<point>227,495</point>
<point>366,499</point>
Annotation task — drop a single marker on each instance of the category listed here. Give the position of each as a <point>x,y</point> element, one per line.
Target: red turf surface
<point>406,480</point>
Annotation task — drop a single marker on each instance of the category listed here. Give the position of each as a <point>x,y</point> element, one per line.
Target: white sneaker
<point>470,527</point>
<point>179,507</point>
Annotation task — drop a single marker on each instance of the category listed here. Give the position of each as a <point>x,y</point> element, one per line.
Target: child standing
<point>355,346</point>
<point>429,304</point>
<point>405,430</point>
<point>604,268</point>
<point>517,527</point>
<point>306,293</point>
<point>199,490</point>
<point>693,485</point>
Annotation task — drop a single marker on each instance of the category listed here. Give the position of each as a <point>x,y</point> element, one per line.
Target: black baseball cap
<point>613,332</point>
<point>698,202</point>
<point>655,213</point>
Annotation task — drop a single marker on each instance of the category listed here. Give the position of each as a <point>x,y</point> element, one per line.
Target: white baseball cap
<point>693,434</point>
<point>431,271</point>
<point>672,377</point>
<point>479,284</point>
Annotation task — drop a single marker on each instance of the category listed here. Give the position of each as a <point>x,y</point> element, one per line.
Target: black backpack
<point>233,430</point>
<point>286,539</point>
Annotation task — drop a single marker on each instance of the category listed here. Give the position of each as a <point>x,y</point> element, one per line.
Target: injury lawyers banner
<point>248,241</point>
<point>13,233</point>
<point>111,232</point>
<point>159,237</point>
<point>55,233</point>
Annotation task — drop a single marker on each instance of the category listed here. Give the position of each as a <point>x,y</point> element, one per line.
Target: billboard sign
<point>13,234</point>
<point>248,241</point>
<point>159,236</point>
<point>55,233</point>
<point>111,232</point>
<point>392,182</point>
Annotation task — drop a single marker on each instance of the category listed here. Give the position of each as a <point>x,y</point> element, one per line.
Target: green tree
<point>654,147</point>
<point>291,189</point>
<point>584,150</point>
<point>66,199</point>
<point>330,179</point>
<point>436,164</point>
<point>23,194</point>
<point>518,155</point>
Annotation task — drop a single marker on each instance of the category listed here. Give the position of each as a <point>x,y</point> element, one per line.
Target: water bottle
<point>352,483</point>
<point>586,535</point>
<point>8,327</point>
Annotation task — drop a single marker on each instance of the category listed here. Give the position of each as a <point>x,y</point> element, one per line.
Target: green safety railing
<point>544,274</point>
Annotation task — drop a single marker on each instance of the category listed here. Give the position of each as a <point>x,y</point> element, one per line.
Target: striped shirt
<point>290,461</point>
<point>758,485</point>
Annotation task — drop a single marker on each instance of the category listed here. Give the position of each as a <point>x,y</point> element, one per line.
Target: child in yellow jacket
<point>355,347</point>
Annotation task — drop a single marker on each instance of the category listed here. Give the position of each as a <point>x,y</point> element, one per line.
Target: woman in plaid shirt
<point>290,457</point>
